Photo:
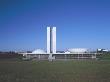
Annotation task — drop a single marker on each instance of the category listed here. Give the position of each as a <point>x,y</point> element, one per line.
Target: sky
<point>79,24</point>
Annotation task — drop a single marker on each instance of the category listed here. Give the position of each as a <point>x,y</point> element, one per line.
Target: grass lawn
<point>57,71</point>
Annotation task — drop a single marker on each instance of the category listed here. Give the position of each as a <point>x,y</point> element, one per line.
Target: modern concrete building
<point>48,40</point>
<point>78,50</point>
<point>54,40</point>
<point>51,40</point>
<point>51,54</point>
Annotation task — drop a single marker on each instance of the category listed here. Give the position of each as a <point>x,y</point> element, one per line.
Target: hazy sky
<point>80,23</point>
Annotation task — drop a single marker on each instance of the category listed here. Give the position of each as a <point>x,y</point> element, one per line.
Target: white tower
<point>48,40</point>
<point>51,40</point>
<point>54,40</point>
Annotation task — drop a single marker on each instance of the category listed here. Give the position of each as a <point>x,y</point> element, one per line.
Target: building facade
<point>51,40</point>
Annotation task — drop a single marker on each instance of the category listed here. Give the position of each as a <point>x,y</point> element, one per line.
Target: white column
<point>48,39</point>
<point>54,40</point>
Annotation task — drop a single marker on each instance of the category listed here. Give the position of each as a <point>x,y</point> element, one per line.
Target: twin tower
<point>51,40</point>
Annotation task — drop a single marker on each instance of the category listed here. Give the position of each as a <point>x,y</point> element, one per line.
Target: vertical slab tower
<point>51,40</point>
<point>54,39</point>
<point>48,40</point>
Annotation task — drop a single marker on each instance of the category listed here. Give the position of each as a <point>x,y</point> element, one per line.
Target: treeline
<point>4,55</point>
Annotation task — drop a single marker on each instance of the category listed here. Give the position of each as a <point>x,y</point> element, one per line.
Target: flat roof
<point>58,53</point>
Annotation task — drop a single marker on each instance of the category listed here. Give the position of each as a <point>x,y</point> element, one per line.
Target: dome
<point>67,52</point>
<point>38,51</point>
<point>77,50</point>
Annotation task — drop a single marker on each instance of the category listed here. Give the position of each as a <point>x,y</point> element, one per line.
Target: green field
<point>57,71</point>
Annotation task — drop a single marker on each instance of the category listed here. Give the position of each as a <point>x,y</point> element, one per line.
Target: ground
<point>56,71</point>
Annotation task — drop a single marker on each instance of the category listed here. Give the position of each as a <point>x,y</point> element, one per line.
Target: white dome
<point>67,52</point>
<point>38,51</point>
<point>77,50</point>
